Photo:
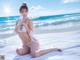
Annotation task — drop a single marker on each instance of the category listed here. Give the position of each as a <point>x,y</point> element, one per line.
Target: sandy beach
<point>63,40</point>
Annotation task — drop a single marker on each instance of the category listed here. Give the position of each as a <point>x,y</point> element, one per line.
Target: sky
<point>39,7</point>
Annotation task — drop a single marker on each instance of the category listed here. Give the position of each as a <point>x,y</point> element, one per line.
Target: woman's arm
<point>16,27</point>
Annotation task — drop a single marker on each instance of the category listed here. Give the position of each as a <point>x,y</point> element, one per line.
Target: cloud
<point>36,11</point>
<point>70,1</point>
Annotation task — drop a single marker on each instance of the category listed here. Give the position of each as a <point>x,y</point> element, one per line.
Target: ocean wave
<point>62,21</point>
<point>57,21</point>
<point>56,16</point>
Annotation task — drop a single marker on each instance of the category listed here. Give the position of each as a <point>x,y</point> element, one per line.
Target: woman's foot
<point>57,49</point>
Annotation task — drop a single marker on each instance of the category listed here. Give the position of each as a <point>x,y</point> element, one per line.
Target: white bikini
<point>22,28</point>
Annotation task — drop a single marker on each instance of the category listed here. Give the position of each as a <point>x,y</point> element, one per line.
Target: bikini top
<point>23,27</point>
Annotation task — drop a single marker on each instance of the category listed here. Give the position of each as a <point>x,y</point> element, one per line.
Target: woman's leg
<point>42,52</point>
<point>35,49</point>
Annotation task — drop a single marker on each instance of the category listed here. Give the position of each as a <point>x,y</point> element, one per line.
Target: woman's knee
<point>22,51</point>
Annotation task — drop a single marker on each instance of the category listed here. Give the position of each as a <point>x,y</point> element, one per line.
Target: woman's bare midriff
<point>24,37</point>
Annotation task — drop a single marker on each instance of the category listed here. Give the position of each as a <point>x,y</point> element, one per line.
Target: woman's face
<point>24,12</point>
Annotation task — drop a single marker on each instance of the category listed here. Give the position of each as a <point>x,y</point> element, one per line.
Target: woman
<point>29,44</point>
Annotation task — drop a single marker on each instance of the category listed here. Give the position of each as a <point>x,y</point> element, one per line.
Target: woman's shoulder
<point>29,20</point>
<point>17,21</point>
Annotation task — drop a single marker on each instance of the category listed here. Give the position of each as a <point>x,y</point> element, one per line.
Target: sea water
<point>55,23</point>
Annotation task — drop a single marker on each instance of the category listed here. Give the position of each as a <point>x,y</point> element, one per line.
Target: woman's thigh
<point>34,45</point>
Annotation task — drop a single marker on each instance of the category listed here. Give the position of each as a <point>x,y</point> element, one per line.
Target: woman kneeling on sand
<point>29,44</point>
